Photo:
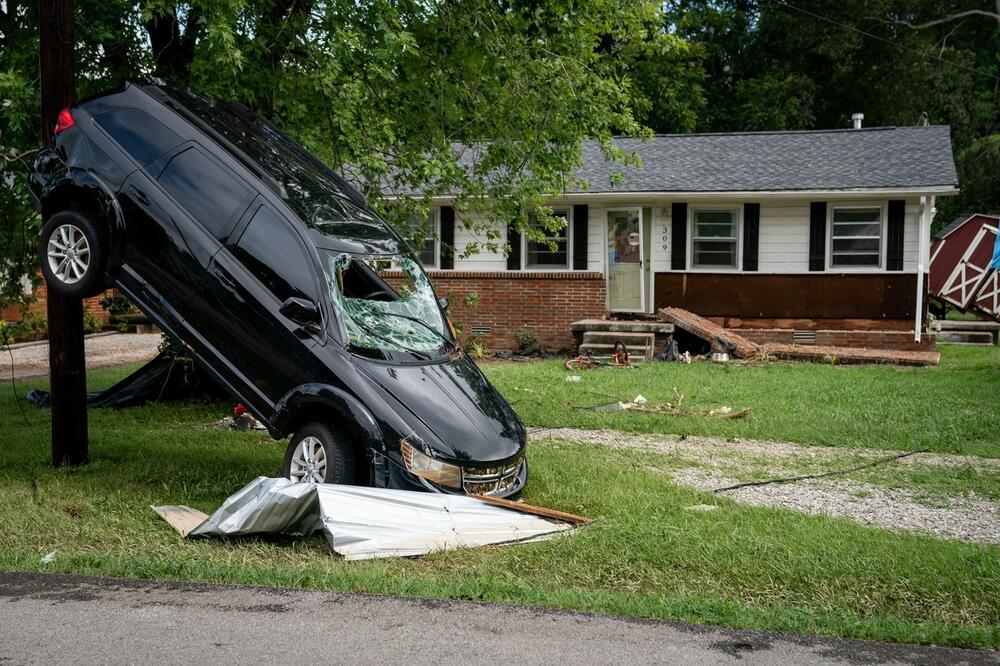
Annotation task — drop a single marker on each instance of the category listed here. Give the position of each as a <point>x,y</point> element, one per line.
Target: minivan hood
<point>470,419</point>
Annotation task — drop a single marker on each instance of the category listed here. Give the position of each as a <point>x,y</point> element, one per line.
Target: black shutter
<point>581,220</point>
<point>446,260</point>
<point>817,235</point>
<point>678,236</point>
<point>751,235</point>
<point>894,235</point>
<point>514,258</point>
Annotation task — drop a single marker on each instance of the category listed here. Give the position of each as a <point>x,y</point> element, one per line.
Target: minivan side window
<point>205,190</point>
<point>271,252</point>
<point>138,134</point>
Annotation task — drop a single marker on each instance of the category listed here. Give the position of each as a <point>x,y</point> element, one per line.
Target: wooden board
<point>181,518</point>
<point>532,509</point>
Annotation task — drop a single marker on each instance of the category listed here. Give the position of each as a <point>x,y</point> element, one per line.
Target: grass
<point>950,408</point>
<point>643,555</point>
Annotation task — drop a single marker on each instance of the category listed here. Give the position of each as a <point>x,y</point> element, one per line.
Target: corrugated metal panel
<point>362,523</point>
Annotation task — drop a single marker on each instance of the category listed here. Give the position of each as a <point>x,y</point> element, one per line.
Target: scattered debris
<point>363,523</point>
<point>702,507</point>
<point>671,352</point>
<point>589,362</point>
<point>573,378</point>
<point>720,357</point>
<point>641,404</point>
<point>50,558</point>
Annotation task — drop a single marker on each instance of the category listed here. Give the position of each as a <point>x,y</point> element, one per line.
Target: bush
<point>92,322</point>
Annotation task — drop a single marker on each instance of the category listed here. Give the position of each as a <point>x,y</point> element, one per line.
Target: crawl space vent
<point>480,330</point>
<point>804,337</point>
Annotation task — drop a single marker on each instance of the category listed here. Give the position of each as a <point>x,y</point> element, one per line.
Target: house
<point>813,236</point>
<point>959,267</point>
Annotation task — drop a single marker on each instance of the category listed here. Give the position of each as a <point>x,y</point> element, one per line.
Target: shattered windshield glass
<point>387,306</point>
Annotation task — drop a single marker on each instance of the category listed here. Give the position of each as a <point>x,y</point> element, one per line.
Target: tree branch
<point>947,19</point>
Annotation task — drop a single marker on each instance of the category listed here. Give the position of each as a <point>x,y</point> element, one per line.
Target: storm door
<point>626,288</point>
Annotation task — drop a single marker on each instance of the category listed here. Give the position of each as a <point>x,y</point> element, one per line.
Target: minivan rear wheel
<point>319,453</point>
<point>71,253</point>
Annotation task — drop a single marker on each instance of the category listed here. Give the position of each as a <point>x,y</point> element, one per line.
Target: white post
<point>923,248</point>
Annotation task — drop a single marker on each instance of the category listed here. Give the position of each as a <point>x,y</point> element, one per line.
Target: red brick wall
<point>541,303</point>
<point>900,340</point>
<point>13,313</point>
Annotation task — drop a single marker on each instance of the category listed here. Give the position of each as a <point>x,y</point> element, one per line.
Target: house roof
<point>876,158</point>
<point>847,159</point>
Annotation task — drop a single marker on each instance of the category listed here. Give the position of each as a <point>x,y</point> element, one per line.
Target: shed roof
<point>845,159</point>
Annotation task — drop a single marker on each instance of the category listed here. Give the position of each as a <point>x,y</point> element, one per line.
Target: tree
<point>383,90</point>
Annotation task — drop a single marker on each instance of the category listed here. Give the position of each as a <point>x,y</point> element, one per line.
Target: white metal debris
<point>362,523</point>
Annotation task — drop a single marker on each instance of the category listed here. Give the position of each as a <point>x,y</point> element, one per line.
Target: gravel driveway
<point>102,350</point>
<point>892,502</point>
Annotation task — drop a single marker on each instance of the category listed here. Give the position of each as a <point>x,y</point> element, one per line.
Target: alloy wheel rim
<point>69,254</point>
<point>309,461</point>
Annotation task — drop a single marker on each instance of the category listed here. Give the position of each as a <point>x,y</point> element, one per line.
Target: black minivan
<point>281,281</point>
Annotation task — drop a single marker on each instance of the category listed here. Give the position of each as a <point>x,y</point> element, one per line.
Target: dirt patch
<point>708,463</point>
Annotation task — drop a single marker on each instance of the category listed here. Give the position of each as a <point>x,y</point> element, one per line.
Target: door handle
<point>139,195</point>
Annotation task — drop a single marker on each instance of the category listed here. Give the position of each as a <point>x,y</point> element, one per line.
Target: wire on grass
<point>804,477</point>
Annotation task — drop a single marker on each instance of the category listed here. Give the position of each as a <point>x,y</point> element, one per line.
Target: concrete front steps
<point>640,337</point>
<point>967,332</point>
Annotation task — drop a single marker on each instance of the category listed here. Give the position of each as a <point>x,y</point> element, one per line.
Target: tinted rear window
<point>205,190</point>
<point>270,250</point>
<point>139,134</point>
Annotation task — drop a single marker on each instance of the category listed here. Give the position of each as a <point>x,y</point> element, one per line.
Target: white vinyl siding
<point>783,241</point>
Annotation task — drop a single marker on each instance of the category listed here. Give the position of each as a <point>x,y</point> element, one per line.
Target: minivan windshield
<point>387,306</point>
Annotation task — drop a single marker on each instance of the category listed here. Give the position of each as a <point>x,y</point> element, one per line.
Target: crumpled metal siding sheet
<point>364,523</point>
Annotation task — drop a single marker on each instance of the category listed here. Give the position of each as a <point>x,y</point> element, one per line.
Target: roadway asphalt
<point>68,619</point>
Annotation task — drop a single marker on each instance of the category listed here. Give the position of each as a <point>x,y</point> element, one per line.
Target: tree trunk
<point>67,371</point>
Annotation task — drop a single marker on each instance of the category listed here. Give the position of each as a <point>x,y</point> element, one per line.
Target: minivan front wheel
<point>71,255</point>
<point>320,454</point>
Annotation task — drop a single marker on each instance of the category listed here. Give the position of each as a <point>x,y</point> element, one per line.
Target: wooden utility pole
<point>67,372</point>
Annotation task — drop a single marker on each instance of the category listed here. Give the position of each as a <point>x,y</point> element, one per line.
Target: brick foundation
<point>544,304</point>
<point>872,339</point>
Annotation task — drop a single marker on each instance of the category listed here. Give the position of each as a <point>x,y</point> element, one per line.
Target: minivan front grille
<point>494,480</point>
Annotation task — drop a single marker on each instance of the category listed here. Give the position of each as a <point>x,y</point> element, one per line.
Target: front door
<point>625,260</point>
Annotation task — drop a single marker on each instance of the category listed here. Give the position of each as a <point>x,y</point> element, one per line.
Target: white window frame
<point>881,208</point>
<point>737,214</point>
<point>435,229</point>
<point>569,247</point>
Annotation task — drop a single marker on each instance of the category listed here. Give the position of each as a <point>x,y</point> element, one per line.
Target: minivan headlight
<point>419,463</point>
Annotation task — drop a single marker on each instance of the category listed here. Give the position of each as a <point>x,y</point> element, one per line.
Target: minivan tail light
<point>64,121</point>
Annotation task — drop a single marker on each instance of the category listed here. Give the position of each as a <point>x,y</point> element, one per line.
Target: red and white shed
<point>960,256</point>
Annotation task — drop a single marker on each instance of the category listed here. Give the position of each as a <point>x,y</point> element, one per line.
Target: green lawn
<point>950,408</point>
<point>644,554</point>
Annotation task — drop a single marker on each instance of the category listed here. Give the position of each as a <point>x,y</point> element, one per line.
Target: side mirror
<point>301,311</point>
<point>443,303</point>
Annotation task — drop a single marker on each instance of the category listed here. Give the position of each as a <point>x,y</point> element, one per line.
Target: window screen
<point>714,239</point>
<point>205,190</point>
<point>138,134</point>
<point>856,237</point>
<point>554,253</point>
<point>271,252</point>
<point>424,234</point>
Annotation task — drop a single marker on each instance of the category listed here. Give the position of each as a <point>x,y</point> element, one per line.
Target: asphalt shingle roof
<point>820,160</point>
<point>870,158</point>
